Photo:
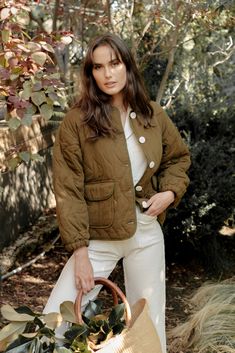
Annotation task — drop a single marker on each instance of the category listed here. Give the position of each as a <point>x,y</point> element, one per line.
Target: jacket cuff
<point>76,244</point>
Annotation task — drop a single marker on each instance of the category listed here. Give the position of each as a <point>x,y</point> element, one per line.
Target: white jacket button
<point>151,164</point>
<point>138,188</point>
<point>142,139</point>
<point>132,115</point>
<point>144,204</point>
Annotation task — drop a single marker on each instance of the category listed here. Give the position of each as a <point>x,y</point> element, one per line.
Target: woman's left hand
<point>159,202</point>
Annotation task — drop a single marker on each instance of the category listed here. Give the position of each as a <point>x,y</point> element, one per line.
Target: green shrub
<point>193,231</point>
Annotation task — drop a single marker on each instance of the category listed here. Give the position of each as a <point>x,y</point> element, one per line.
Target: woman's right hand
<point>84,276</point>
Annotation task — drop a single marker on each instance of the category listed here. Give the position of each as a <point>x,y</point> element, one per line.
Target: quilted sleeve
<point>68,180</point>
<point>175,159</point>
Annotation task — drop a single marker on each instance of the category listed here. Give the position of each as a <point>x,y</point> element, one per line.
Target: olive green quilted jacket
<point>93,185</point>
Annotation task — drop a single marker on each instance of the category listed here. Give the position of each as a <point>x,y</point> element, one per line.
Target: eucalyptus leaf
<point>25,310</point>
<point>53,320</point>
<point>12,329</point>
<point>9,313</point>
<point>76,331</point>
<point>36,346</point>
<point>46,331</point>
<point>93,308</point>
<point>80,347</point>
<point>67,311</point>
<point>116,314</point>
<point>20,345</point>
<point>118,328</point>
<point>38,322</point>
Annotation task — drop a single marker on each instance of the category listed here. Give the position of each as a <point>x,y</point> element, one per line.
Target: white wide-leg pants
<point>144,271</point>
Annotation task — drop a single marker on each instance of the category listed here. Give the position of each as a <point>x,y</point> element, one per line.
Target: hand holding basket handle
<point>140,336</point>
<point>115,291</point>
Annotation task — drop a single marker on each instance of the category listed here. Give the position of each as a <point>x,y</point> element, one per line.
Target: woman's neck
<point>117,101</point>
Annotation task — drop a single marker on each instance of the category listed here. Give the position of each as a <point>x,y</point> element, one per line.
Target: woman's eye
<point>115,63</point>
<point>96,67</point>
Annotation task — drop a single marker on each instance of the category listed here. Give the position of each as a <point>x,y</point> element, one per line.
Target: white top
<point>136,155</point>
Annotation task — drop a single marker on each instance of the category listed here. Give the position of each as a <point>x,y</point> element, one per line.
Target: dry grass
<point>211,326</point>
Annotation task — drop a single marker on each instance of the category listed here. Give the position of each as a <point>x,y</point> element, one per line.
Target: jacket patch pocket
<point>100,204</point>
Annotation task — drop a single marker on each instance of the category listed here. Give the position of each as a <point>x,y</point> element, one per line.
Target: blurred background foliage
<point>186,52</point>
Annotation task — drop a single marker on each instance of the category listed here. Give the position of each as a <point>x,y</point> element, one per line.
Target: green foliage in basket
<point>29,332</point>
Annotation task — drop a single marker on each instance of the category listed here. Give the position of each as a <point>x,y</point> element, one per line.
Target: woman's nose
<point>107,72</point>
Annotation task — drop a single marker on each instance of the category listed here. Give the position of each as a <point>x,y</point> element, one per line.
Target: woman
<point>119,163</point>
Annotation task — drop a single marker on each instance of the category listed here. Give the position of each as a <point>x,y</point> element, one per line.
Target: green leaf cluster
<point>32,332</point>
<point>97,328</point>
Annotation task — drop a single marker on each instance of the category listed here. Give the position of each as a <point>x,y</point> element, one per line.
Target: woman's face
<point>108,71</point>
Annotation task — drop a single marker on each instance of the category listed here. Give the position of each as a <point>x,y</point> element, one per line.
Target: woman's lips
<point>110,84</point>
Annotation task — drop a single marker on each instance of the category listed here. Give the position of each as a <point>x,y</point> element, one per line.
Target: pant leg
<point>144,271</point>
<point>103,256</point>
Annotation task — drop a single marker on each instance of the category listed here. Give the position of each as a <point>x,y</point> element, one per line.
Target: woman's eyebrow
<point>110,62</point>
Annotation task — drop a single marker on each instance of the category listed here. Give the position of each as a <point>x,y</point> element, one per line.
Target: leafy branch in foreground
<point>33,332</point>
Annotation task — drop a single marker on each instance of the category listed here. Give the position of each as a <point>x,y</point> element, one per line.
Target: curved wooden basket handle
<point>116,292</point>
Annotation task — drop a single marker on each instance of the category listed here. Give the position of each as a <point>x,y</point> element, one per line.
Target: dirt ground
<point>33,284</point>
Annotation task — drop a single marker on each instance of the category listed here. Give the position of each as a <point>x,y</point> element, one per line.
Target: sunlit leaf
<point>29,335</point>
<point>5,12</point>
<point>47,47</point>
<point>14,123</point>
<point>66,39</point>
<point>5,35</point>
<point>14,10</point>
<point>67,311</point>
<point>37,157</point>
<point>23,48</point>
<point>2,60</point>
<point>9,313</point>
<point>22,17</point>
<point>37,86</point>
<point>53,320</point>
<point>46,111</point>
<point>38,98</point>
<point>27,120</point>
<point>39,57</point>
<point>13,162</point>
<point>14,77</point>
<point>32,46</point>
<point>14,328</point>
<point>27,90</point>
<point>25,156</point>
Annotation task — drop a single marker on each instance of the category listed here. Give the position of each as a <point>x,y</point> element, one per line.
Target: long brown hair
<point>96,105</point>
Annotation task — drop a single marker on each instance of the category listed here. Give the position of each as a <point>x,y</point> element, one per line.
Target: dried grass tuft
<point>211,326</point>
